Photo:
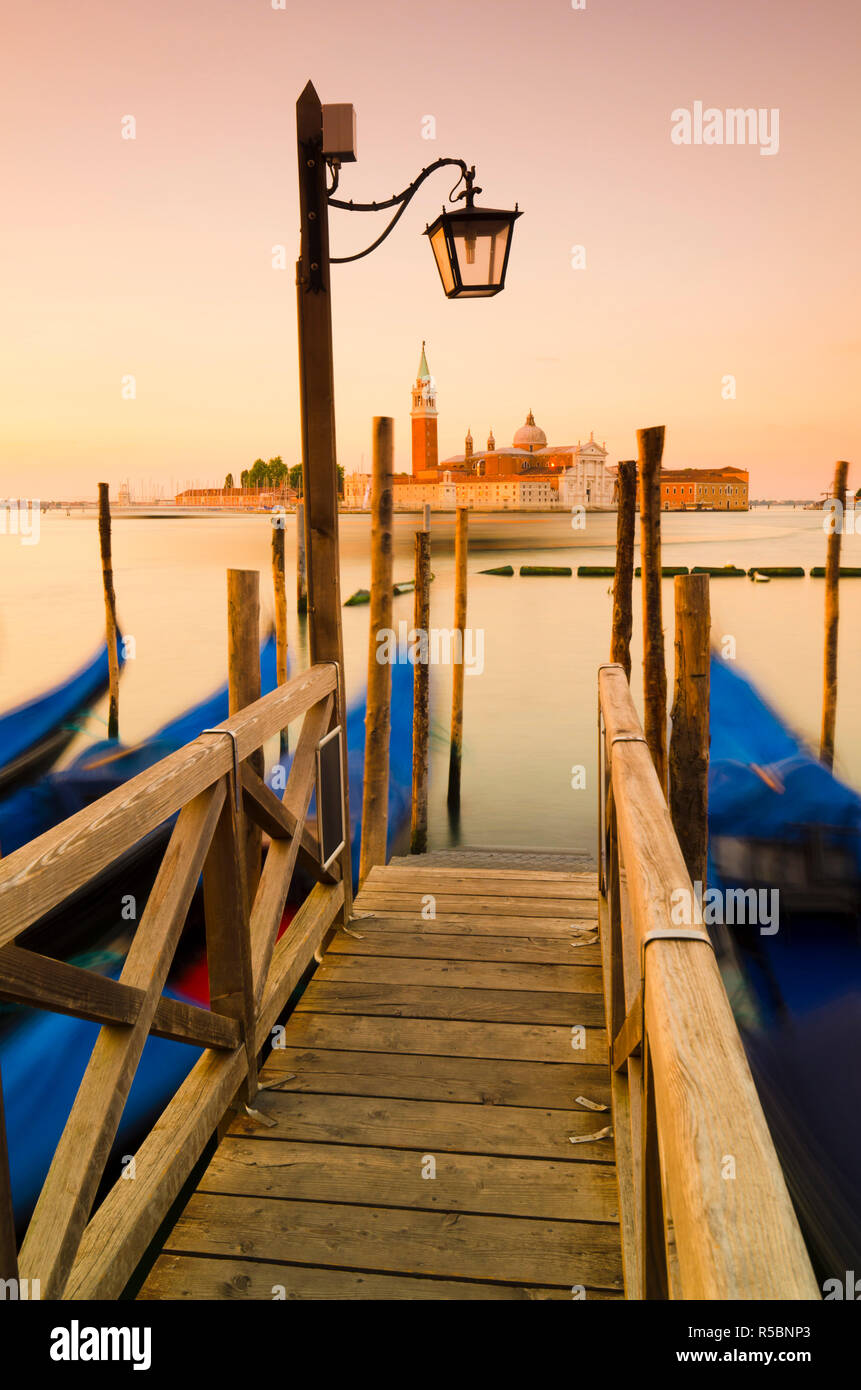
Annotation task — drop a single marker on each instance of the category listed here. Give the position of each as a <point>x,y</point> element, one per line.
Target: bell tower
<point>424,420</point>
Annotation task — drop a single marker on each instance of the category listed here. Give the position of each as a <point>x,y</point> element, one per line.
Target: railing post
<point>279,585</point>
<point>689,741</point>
<point>375,790</point>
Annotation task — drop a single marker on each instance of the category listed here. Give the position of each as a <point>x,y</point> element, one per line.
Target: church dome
<point>530,436</point>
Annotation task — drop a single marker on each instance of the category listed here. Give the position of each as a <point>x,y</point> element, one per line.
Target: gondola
<point>781,823</point>
<point>35,733</point>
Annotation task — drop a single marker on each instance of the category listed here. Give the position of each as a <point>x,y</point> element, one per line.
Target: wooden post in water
<point>301,577</point>
<point>461,551</point>
<point>832,618</point>
<point>243,684</point>
<point>651,448</point>
<point>426,517</point>
<point>110,612</point>
<point>279,585</point>
<point>421,697</point>
<point>623,583</point>
<point>378,719</point>
<point>689,741</point>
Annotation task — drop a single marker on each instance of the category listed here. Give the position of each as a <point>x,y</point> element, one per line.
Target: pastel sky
<point>152,257</point>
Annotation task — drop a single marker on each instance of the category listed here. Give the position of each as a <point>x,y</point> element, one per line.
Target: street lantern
<point>471,249</point>
<point>471,246</point>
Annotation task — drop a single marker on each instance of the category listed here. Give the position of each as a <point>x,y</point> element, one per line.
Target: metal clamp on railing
<point>630,1035</point>
<point>228,733</point>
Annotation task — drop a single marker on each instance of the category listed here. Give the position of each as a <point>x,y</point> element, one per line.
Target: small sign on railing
<point>330,797</point>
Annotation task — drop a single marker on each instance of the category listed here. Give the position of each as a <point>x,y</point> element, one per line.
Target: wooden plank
<point>405,902</point>
<point>394,1178</point>
<point>415,945</point>
<point>195,1277</point>
<point>449,1038</point>
<point>44,983</point>
<point>39,875</point>
<point>429,1125</point>
<point>126,1222</point>
<point>474,1005</point>
<point>465,924</point>
<point>568,887</point>
<point>268,908</point>
<point>452,1245</point>
<point>566,877</point>
<point>72,1181</point>
<point>461,974</point>
<point>481,1081</point>
<point>233,855</point>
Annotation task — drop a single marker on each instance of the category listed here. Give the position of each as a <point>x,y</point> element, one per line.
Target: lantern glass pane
<point>440,250</point>
<point>480,248</point>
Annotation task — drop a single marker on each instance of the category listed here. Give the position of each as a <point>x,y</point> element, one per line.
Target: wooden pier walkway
<point>422,1109</point>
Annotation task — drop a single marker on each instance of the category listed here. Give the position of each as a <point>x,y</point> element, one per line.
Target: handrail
<point>252,973</point>
<point>711,1217</point>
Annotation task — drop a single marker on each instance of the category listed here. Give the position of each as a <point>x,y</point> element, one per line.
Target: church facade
<point>528,473</point>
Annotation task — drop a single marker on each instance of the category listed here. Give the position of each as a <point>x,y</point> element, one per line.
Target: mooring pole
<point>279,585</point>
<point>689,741</point>
<point>461,550</point>
<point>623,583</point>
<point>421,697</point>
<point>110,612</point>
<point>301,576</point>
<point>426,517</point>
<point>832,618</point>
<point>378,719</point>
<point>317,402</point>
<point>243,686</point>
<point>651,448</point>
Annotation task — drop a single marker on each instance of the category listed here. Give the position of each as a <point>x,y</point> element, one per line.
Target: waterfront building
<point>705,489</point>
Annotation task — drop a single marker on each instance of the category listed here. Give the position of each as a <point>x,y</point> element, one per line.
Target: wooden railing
<point>704,1209</point>
<point>251,976</point>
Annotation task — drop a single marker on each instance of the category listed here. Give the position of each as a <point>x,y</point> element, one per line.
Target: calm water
<point>529,718</point>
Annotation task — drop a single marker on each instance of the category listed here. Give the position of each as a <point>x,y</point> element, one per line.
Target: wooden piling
<point>651,448</point>
<point>375,790</point>
<point>832,617</point>
<point>243,683</point>
<point>426,517</point>
<point>110,612</point>
<point>689,741</point>
<point>421,698</point>
<point>301,573</point>
<point>279,585</point>
<point>623,583</point>
<point>461,550</point>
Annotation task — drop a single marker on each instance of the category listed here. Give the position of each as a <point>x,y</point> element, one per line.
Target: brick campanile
<point>424,418</point>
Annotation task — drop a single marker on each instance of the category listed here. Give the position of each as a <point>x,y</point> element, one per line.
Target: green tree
<point>296,478</point>
<point>243,478</point>
<point>228,481</point>
<point>277,471</point>
<point>340,480</point>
